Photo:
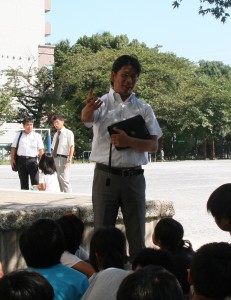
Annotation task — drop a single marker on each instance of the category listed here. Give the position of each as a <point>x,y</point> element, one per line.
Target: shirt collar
<point>63,129</point>
<point>116,97</point>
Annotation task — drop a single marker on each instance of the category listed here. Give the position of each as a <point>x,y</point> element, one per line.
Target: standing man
<point>29,147</point>
<point>63,150</point>
<point>127,184</point>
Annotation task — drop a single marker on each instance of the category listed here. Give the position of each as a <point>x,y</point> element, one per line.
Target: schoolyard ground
<point>187,183</point>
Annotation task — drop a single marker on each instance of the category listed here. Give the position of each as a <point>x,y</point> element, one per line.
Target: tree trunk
<point>213,149</point>
<point>205,149</point>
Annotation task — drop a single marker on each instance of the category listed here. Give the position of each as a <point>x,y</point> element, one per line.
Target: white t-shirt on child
<point>51,182</point>
<point>82,253</point>
<point>69,259</point>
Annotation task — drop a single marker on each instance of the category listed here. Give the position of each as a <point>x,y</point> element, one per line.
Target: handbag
<point>15,166</point>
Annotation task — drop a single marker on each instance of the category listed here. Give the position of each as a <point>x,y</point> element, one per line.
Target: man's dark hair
<point>72,228</point>
<point>156,257</point>
<point>47,164</point>
<point>25,285</point>
<point>109,244</point>
<point>219,202</point>
<point>125,60</point>
<point>150,283</point>
<point>58,117</point>
<point>27,120</point>
<point>42,244</point>
<point>211,270</point>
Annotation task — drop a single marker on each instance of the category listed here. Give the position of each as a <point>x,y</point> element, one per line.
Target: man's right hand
<point>93,102</point>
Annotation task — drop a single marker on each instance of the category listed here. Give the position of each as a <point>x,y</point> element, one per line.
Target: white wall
<point>22,29</point>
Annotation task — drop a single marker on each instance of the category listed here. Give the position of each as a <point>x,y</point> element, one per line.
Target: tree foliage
<point>217,8</point>
<point>192,102</point>
<point>34,91</point>
<point>214,68</point>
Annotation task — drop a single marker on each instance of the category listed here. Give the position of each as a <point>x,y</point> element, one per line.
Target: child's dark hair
<point>25,285</point>
<point>219,202</point>
<point>72,228</point>
<point>47,164</point>
<point>211,270</point>
<point>42,244</point>
<point>155,257</point>
<point>107,245</point>
<point>148,283</point>
<point>170,234</point>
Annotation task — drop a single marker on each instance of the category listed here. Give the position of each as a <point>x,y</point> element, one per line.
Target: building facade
<point>23,30</point>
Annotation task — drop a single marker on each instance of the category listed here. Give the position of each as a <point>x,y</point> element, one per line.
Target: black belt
<point>27,157</point>
<point>60,155</point>
<point>124,172</point>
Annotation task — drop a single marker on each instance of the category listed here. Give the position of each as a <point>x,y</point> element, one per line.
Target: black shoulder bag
<point>15,166</point>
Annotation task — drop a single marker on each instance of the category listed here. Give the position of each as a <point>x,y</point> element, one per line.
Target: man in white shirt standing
<point>63,150</point>
<point>29,147</point>
<point>119,181</point>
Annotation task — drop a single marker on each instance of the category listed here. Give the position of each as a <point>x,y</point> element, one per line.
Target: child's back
<point>42,245</point>
<point>48,180</point>
<point>168,234</point>
<point>72,228</point>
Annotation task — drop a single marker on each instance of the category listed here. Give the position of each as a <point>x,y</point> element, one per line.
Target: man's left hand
<point>120,139</point>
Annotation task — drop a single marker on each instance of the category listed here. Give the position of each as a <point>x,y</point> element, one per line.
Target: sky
<point>180,31</point>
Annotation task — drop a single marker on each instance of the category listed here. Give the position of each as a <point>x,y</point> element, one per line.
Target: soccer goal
<point>46,137</point>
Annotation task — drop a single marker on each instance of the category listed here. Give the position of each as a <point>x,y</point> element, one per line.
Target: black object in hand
<point>134,127</point>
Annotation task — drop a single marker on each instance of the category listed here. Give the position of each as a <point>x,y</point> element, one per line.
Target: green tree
<point>98,42</point>
<point>214,68</point>
<point>86,68</point>
<point>191,102</point>
<point>34,93</point>
<point>7,110</point>
<point>182,94</point>
<point>217,8</point>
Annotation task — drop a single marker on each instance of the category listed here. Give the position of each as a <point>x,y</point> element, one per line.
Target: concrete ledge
<point>18,209</point>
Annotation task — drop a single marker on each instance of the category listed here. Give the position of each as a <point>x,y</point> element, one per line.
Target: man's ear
<point>190,281</point>
<point>112,76</point>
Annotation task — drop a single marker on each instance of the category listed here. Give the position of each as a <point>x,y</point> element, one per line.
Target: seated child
<point>107,256</point>
<point>155,257</point>
<point>25,285</point>
<point>48,180</point>
<point>72,228</point>
<point>150,283</point>
<point>42,245</point>
<point>168,234</point>
<point>219,204</point>
<point>210,272</point>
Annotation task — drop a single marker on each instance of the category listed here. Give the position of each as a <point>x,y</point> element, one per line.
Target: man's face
<point>124,81</point>
<point>28,127</point>
<point>58,124</point>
